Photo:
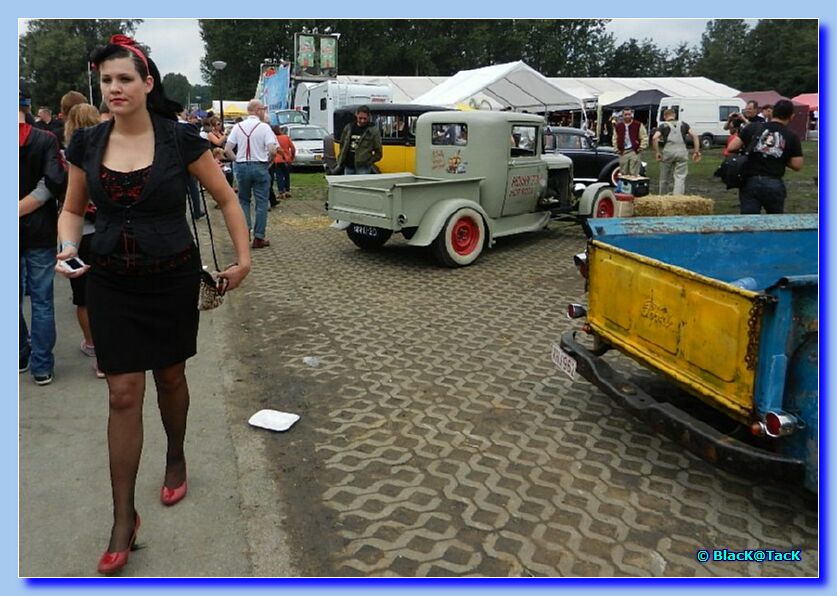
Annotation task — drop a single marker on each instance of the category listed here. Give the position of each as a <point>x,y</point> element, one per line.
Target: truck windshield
<point>307,133</point>
<point>291,117</point>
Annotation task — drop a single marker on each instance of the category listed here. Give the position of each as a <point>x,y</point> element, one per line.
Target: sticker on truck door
<point>452,163</point>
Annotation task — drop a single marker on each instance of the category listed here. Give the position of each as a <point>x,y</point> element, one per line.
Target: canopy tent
<point>647,100</point>
<point>597,92</point>
<point>812,100</point>
<point>513,85</point>
<point>639,100</point>
<point>799,123</point>
<point>232,108</point>
<point>604,90</point>
<point>762,98</point>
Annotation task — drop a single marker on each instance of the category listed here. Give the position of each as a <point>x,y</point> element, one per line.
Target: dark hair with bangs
<point>157,100</point>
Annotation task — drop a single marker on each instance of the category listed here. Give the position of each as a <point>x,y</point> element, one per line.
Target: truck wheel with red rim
<point>368,237</point>
<point>604,203</point>
<point>614,175</point>
<point>461,240</point>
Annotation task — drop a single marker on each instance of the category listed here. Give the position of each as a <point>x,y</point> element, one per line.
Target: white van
<point>706,115</point>
<point>322,99</point>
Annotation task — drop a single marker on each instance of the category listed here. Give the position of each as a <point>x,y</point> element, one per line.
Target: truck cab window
<point>449,134</point>
<point>524,140</point>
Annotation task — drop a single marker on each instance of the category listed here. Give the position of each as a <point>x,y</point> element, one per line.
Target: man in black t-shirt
<point>772,147</point>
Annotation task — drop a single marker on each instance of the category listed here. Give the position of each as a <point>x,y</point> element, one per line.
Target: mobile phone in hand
<point>72,264</point>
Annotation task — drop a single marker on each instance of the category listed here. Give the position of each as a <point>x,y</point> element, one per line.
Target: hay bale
<point>667,205</point>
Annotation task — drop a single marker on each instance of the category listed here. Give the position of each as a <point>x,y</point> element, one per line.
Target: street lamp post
<point>220,65</point>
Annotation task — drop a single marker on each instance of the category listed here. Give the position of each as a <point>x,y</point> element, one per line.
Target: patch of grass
<point>308,185</point>
<point>308,178</point>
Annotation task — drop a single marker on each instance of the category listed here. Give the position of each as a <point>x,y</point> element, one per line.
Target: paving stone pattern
<point>438,439</point>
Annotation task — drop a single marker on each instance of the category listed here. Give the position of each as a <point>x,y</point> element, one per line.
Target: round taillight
<point>779,424</point>
<point>581,263</point>
<point>576,311</point>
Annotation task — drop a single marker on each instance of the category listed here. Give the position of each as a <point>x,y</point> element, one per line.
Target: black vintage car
<point>591,162</point>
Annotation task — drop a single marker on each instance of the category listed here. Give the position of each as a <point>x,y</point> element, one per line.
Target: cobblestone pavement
<point>438,439</point>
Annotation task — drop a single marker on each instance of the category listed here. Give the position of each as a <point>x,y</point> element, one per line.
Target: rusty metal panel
<point>690,327</point>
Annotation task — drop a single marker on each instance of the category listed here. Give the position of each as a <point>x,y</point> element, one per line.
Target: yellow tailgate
<point>687,326</point>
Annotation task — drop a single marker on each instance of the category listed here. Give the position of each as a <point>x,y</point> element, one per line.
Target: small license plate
<point>563,361</point>
<point>369,231</point>
<point>318,157</point>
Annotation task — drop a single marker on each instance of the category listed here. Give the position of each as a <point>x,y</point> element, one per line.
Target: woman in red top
<point>285,155</point>
<point>734,129</point>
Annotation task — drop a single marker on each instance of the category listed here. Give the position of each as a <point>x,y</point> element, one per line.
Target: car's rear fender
<point>434,220</point>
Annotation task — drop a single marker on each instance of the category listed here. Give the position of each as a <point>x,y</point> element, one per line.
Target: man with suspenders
<point>255,146</point>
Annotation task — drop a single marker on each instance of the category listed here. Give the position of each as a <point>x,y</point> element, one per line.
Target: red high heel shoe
<point>172,496</point>
<point>112,562</point>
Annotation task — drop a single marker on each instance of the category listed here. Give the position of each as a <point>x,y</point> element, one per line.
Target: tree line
<point>780,54</point>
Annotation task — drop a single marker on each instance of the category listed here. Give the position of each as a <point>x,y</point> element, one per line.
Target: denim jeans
<point>357,170</point>
<point>283,177</point>
<point>37,271</point>
<point>254,177</point>
<point>762,191</point>
<point>195,196</point>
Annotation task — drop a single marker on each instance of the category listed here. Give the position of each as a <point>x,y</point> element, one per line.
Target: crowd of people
<point>771,147</point>
<point>760,133</point>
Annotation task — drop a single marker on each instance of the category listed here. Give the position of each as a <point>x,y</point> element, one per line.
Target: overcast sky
<point>177,47</point>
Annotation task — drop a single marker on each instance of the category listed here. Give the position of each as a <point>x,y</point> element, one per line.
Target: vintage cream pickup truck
<point>479,176</point>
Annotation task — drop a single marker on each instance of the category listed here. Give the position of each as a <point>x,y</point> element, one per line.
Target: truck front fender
<point>435,217</point>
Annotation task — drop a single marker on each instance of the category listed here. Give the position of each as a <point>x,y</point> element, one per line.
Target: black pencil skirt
<point>144,322</point>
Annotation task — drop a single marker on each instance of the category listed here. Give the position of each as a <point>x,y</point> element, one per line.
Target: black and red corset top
<point>124,187</point>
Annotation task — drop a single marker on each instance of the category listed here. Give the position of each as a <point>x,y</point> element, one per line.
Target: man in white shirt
<point>255,146</point>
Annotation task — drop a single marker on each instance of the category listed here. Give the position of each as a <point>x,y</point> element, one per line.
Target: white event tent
<point>513,85</point>
<point>601,91</point>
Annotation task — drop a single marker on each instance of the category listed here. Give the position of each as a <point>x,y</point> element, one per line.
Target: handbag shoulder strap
<point>191,209</point>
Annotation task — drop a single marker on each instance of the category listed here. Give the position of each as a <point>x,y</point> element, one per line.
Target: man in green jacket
<point>360,145</point>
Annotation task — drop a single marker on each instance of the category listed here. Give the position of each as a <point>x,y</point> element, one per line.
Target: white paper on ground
<point>273,420</point>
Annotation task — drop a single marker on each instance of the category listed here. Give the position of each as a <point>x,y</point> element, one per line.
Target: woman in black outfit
<point>144,273</point>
